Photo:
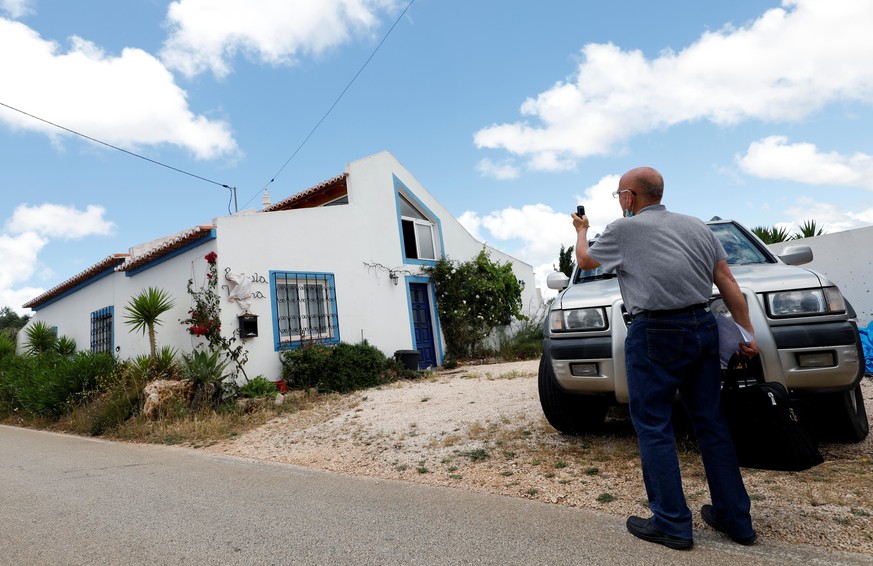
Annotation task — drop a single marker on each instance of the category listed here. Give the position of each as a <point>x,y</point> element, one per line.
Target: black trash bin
<point>409,358</point>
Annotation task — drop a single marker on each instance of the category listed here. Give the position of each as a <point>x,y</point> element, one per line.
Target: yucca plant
<point>40,338</point>
<point>66,346</point>
<point>143,313</point>
<point>203,368</point>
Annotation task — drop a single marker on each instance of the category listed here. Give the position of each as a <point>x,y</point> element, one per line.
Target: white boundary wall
<point>846,258</point>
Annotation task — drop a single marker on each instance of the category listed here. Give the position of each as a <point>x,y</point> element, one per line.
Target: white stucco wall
<point>844,258</point>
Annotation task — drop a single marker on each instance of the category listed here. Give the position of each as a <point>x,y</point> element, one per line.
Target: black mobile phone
<point>580,211</point>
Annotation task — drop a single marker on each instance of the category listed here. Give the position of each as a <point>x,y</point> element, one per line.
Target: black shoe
<point>642,528</point>
<point>706,513</point>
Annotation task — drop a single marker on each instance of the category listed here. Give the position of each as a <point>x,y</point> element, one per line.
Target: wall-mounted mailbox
<point>248,325</point>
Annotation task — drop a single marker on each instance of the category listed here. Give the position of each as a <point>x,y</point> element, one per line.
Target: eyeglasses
<point>616,194</point>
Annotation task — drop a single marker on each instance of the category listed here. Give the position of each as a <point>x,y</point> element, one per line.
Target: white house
<point>338,261</point>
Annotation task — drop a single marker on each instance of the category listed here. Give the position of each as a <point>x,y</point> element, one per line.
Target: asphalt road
<point>71,500</point>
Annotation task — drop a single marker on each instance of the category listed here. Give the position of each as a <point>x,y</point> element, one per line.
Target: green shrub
<point>474,298</point>
<point>66,346</point>
<point>260,386</point>
<point>353,367</point>
<point>341,368</point>
<point>48,384</point>
<point>7,345</point>
<point>303,368</point>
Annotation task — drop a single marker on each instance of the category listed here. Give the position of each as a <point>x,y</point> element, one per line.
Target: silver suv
<point>806,332</point>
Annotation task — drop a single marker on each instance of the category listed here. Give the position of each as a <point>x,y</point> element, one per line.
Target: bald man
<point>666,264</point>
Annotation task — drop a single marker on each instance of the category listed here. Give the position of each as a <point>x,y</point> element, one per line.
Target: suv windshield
<point>592,274</point>
<point>740,249</point>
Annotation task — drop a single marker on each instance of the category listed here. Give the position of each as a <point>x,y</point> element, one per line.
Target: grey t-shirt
<point>663,260</point>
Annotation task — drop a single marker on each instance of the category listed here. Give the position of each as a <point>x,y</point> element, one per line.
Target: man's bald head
<point>646,182</point>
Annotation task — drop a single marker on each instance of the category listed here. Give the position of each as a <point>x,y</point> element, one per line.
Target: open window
<point>419,235</point>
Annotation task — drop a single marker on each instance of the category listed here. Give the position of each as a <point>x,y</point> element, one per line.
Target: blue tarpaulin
<point>867,342</point>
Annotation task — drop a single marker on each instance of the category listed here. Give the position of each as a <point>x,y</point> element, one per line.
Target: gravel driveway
<point>481,428</point>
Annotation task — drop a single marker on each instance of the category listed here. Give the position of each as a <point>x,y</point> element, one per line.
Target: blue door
<point>422,325</point>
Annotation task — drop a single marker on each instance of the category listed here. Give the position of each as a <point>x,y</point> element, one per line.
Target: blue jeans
<point>679,351</point>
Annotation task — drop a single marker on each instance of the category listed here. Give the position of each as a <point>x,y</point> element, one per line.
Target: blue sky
<point>509,112</point>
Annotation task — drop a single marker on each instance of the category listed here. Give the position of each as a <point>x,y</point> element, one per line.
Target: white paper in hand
<point>730,336</point>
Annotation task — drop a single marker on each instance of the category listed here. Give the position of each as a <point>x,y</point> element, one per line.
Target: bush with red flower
<point>204,317</point>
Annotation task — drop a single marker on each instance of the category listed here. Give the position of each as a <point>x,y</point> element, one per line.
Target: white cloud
<point>774,69</point>
<point>18,257</point>
<point>206,34</point>
<point>59,221</point>
<point>826,216</point>
<point>501,171</point>
<point>472,222</point>
<point>538,231</point>
<point>128,100</point>
<point>28,231</point>
<point>17,8</point>
<point>775,158</point>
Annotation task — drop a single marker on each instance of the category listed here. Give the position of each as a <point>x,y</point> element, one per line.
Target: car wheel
<point>570,414</point>
<point>841,416</point>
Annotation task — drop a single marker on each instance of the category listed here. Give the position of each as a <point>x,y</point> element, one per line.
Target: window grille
<point>101,330</point>
<point>305,307</point>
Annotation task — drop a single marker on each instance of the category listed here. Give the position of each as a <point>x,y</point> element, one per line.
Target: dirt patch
<point>482,428</point>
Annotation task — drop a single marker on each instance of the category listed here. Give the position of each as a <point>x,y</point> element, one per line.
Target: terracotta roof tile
<point>296,200</point>
<point>102,265</point>
<point>152,251</point>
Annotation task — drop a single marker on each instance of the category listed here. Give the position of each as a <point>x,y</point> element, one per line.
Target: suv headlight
<point>804,302</point>
<point>578,319</point>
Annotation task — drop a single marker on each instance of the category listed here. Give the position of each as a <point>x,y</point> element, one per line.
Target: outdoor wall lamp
<point>521,284</point>
<point>394,277</point>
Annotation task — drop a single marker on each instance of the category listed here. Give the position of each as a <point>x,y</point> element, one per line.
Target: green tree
<point>11,322</point>
<point>474,298</point>
<point>143,313</point>
<point>566,263</point>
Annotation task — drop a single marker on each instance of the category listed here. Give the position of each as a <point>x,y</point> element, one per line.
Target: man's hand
<point>580,222</point>
<point>749,350</point>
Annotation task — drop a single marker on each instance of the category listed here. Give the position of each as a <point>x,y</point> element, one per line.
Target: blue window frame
<point>102,339</point>
<point>420,229</point>
<point>304,308</point>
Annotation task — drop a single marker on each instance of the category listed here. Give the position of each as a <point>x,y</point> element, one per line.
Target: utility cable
<point>115,147</point>
<point>332,106</point>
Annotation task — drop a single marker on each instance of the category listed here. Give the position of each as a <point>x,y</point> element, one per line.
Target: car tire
<point>568,413</point>
<point>841,416</point>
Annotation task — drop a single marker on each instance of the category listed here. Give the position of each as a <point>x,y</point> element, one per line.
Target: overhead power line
<point>95,140</point>
<point>335,102</point>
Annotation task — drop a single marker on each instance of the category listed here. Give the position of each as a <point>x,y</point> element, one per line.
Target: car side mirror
<point>796,255</point>
<point>557,280</point>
